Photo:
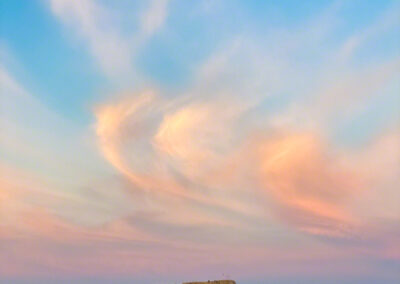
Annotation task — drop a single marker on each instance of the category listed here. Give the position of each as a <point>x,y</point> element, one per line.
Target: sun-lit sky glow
<point>165,141</point>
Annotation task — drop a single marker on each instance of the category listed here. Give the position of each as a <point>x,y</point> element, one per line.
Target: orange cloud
<point>152,142</point>
<point>109,129</point>
<point>309,186</point>
<point>187,157</point>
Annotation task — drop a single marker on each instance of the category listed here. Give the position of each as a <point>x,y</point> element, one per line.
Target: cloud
<point>50,160</point>
<point>379,164</point>
<point>202,148</point>
<point>154,18</point>
<point>112,49</point>
<point>225,174</point>
<point>109,128</point>
<point>190,151</point>
<point>385,23</point>
<point>93,23</point>
<point>138,136</point>
<point>309,186</point>
<point>197,134</point>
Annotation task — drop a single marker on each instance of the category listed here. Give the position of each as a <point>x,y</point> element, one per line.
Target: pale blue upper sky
<point>57,66</point>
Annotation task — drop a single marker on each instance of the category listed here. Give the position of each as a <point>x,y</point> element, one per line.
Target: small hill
<point>213,282</point>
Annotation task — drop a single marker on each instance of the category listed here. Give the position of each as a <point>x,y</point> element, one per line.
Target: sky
<point>165,141</point>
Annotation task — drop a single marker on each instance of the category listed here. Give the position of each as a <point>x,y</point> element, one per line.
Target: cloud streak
<point>113,50</point>
<point>92,22</point>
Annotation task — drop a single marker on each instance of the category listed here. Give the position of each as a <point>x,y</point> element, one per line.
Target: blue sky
<point>154,133</point>
<point>50,56</point>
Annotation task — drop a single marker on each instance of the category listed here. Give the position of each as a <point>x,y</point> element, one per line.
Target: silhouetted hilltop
<point>213,282</point>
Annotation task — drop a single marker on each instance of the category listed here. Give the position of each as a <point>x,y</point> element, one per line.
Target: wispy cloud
<point>94,24</point>
<point>310,188</point>
<point>155,16</point>
<point>239,168</point>
<point>112,49</point>
<point>194,145</point>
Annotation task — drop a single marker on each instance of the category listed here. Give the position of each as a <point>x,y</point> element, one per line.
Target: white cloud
<point>93,23</point>
<point>113,50</point>
<point>154,17</point>
<point>386,22</point>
